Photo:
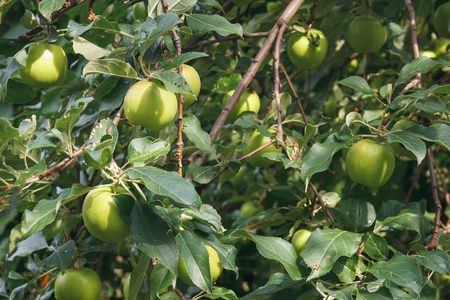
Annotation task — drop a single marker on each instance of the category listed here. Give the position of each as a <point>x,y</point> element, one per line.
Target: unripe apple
<point>46,65</point>
<point>150,104</point>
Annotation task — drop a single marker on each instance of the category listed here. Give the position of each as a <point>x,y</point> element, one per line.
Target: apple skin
<point>303,53</point>
<point>300,238</point>
<point>81,284</point>
<point>215,267</point>
<point>102,216</point>
<point>150,104</point>
<point>441,19</point>
<point>249,101</point>
<point>140,11</point>
<point>46,65</point>
<point>366,34</point>
<point>250,208</point>
<point>369,163</point>
<point>255,141</point>
<point>191,76</point>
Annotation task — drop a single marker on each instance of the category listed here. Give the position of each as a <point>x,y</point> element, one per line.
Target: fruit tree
<point>224,149</point>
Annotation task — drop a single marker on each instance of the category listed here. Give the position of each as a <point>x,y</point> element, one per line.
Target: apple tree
<point>239,149</point>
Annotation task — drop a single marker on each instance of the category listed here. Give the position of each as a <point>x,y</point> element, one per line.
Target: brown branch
<point>416,178</point>
<point>180,144</point>
<point>324,206</point>
<point>433,242</point>
<point>180,294</point>
<point>415,45</point>
<point>288,13</point>
<point>294,93</point>
<point>276,58</point>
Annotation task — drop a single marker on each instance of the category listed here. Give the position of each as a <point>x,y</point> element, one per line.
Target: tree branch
<point>288,13</point>
<point>433,242</point>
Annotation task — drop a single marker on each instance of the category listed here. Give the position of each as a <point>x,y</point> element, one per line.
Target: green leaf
<point>138,274</point>
<point>319,156</point>
<point>276,282</point>
<point>358,215</point>
<point>106,87</point>
<point>164,23</point>
<point>432,105</point>
<point>358,84</point>
<point>89,50</point>
<point>100,137</point>
<point>45,211</point>
<point>42,214</point>
<point>152,236</point>
<point>421,64</point>
<point>343,294</point>
<point>436,260</point>
<point>227,253</point>
<point>345,268</point>
<point>26,247</point>
<point>221,293</point>
<point>411,142</point>
<point>325,246</point>
<point>71,117</point>
<point>201,24</point>
<point>193,130</point>
<point>277,249</point>
<point>407,219</point>
<point>401,270</point>
<point>437,133</point>
<point>62,257</point>
<point>141,149</point>
<point>206,214</point>
<point>159,278</point>
<point>20,143</point>
<point>97,159</point>
<point>7,133</point>
<point>376,247</point>
<point>285,100</point>
<point>380,294</point>
<point>110,66</point>
<point>180,59</point>
<point>47,7</point>
<point>194,254</point>
<point>169,184</point>
<point>173,82</point>
<point>18,92</point>
<point>202,174</point>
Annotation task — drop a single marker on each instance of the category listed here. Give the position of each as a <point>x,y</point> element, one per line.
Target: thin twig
<point>412,19</point>
<point>433,242</point>
<point>294,93</point>
<point>416,178</point>
<point>276,58</point>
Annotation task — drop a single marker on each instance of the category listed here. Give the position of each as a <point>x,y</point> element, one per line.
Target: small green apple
<point>300,238</point>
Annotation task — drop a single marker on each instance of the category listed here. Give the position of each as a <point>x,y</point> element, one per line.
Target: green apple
<point>366,34</point>
<point>299,239</point>
<point>255,141</point>
<point>370,163</point>
<point>140,11</point>
<point>307,51</point>
<point>102,216</point>
<point>249,101</point>
<point>151,105</point>
<point>250,208</point>
<point>441,19</point>
<point>46,65</point>
<point>191,76</point>
<point>78,284</point>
